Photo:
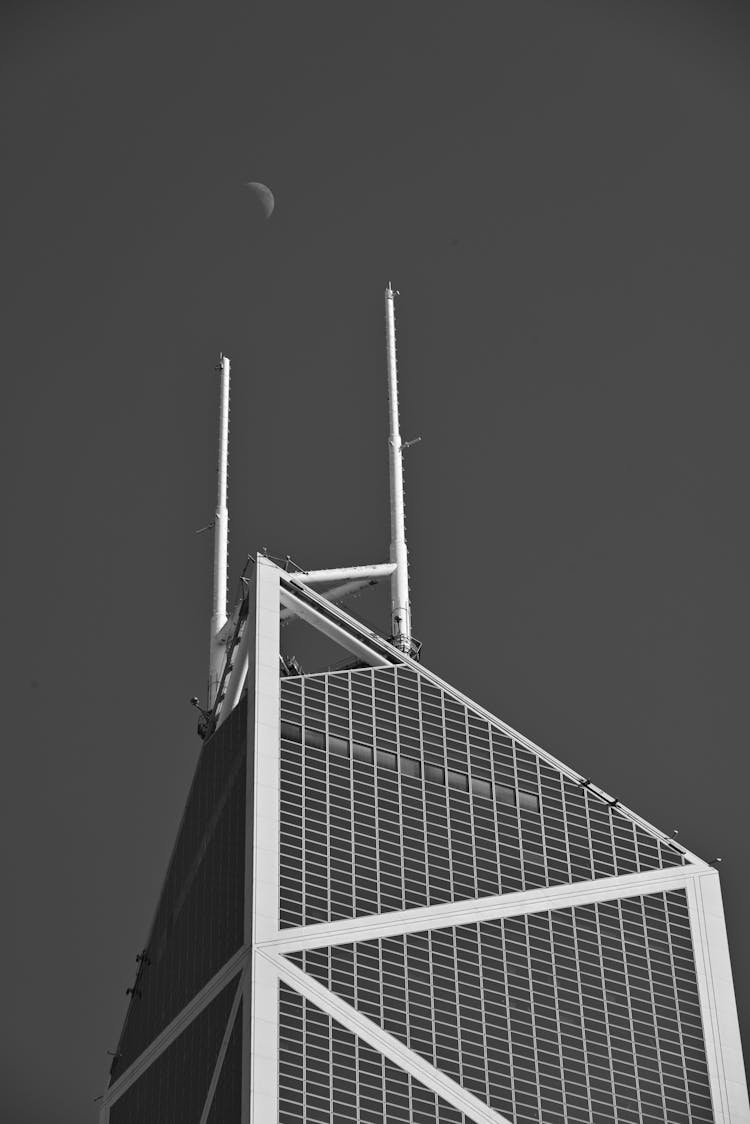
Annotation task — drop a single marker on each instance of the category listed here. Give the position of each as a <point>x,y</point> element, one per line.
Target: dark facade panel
<point>200,916</point>
<point>328,1076</point>
<point>588,1014</point>
<point>394,795</point>
<point>173,1089</point>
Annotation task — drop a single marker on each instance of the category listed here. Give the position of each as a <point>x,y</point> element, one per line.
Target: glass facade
<point>395,795</point>
<point>584,1014</point>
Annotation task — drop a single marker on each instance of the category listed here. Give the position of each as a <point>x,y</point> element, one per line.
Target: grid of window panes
<point>586,1015</point>
<point>329,1076</point>
<point>394,794</point>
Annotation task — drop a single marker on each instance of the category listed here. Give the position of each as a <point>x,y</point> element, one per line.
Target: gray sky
<point>559,191</point>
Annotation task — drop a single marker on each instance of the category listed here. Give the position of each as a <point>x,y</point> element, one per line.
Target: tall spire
<point>221,537</point>
<point>400,605</point>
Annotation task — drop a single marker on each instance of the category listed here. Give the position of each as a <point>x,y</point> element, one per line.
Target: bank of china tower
<point>384,905</point>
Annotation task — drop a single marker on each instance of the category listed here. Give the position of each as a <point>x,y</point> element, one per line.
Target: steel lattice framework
<point>386,905</point>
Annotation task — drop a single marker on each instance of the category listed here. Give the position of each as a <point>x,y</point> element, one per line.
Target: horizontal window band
<point>409,767</point>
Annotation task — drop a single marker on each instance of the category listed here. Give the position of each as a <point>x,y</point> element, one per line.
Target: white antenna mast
<point>221,539</point>
<point>400,606</point>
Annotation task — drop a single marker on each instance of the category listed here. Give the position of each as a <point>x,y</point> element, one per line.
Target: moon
<point>265,198</point>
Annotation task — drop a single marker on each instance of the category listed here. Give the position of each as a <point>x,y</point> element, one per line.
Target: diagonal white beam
<point>475,910</point>
<point>384,1043</point>
<point>337,593</point>
<point>332,630</point>
<point>189,1012</point>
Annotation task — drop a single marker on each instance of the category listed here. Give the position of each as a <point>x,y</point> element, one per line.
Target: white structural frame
<point>263,961</point>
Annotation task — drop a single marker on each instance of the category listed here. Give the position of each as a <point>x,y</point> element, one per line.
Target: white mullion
<point>613,837</point>
<point>482,1009</point>
<point>529,959</point>
<point>329,883</point>
<point>509,1022</point>
<point>606,1010</point>
<point>303,778</point>
<point>448,808</point>
<point>495,817</point>
<point>577,955</point>
<point>677,998</point>
<point>381,1003</point>
<point>542,832</point>
<point>423,783</point>
<point>375,779</point>
<point>565,827</point>
<point>631,1022</point>
<point>399,787</point>
<point>457,999</point>
<point>433,1016</point>
<point>589,836</point>
<point>304,1056</point>
<point>475,871</point>
<point>519,824</point>
<point>384,1077</point>
<point>357,1066</point>
<point>556,994</point>
<point>409,1084</point>
<point>653,1004</point>
<point>352,806</point>
<point>331,1098</point>
<point>637,849</point>
<point>634,839</point>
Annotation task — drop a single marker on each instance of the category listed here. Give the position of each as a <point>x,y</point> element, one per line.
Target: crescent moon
<point>264,195</point>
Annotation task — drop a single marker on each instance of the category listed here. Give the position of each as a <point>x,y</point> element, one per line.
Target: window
<point>386,760</point>
<point>458,780</point>
<point>410,767</point>
<point>528,800</point>
<point>315,739</point>
<point>434,773</point>
<point>362,752</point>
<point>338,746</point>
<point>481,788</point>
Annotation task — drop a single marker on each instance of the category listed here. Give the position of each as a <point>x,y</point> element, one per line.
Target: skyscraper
<point>386,905</point>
